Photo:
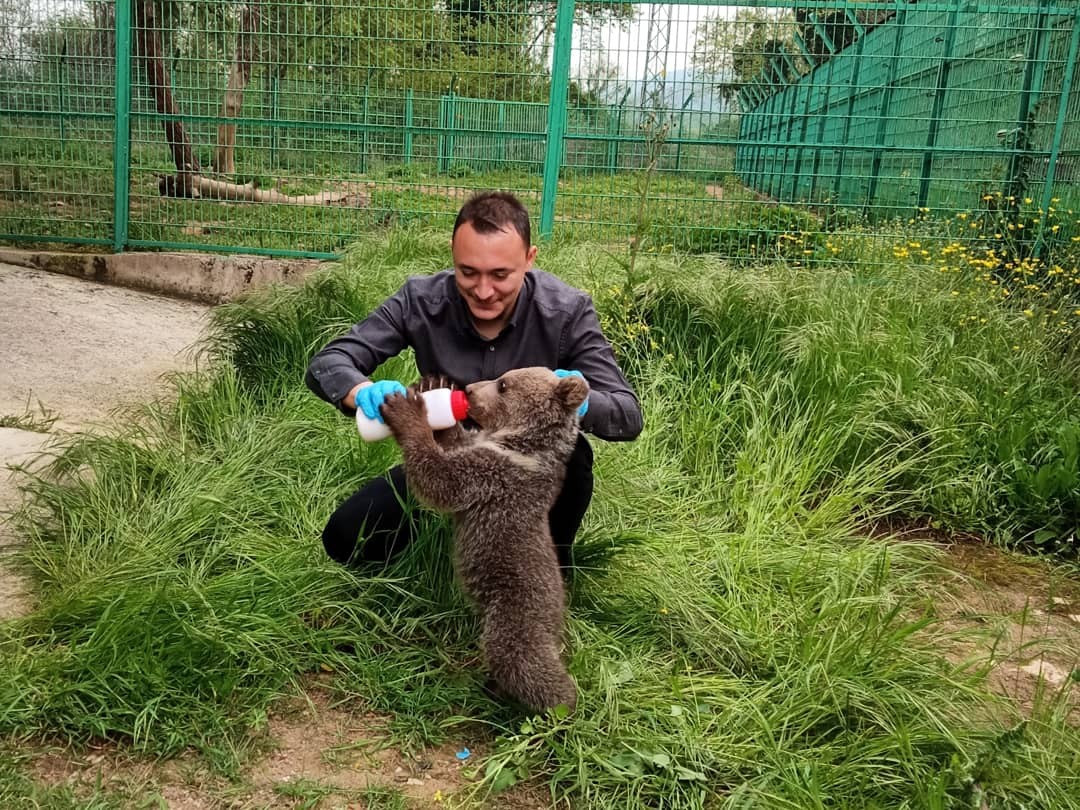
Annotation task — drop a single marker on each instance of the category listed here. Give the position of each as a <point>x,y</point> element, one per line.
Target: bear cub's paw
<point>406,415</point>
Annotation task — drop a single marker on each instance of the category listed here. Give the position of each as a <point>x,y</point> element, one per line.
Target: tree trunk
<point>246,54</point>
<point>149,49</point>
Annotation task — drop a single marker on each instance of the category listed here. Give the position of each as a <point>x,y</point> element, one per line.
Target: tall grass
<point>737,638</point>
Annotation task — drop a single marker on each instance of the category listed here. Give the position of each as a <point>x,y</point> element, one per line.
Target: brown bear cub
<point>499,483</point>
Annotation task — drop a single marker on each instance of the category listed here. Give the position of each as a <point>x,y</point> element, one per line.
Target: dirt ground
<point>73,350</point>
<point>70,351</point>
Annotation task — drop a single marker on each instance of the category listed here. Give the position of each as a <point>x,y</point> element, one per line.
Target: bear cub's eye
<point>502,386</point>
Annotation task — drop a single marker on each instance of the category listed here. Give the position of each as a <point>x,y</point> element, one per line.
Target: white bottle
<point>445,407</point>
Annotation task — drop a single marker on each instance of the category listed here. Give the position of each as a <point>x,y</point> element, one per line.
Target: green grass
<point>738,638</point>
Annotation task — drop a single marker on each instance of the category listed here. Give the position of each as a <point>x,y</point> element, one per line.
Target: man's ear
<point>530,257</point>
<point>572,391</point>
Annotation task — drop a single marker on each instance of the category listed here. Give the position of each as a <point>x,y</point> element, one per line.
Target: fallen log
<point>351,195</point>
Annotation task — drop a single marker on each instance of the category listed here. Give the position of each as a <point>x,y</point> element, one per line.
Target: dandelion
<point>438,797</point>
<point>1028,313</point>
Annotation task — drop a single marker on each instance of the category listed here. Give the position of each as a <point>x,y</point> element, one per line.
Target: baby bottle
<point>445,407</point>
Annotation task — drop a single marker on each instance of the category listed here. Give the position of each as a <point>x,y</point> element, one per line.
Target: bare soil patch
<point>317,753</point>
<point>80,349</point>
<point>1019,614</point>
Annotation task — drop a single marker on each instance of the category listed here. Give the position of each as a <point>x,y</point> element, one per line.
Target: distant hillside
<point>680,87</point>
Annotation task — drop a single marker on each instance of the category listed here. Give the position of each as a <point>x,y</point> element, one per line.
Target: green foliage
<point>734,51</point>
<point>737,639</point>
<point>750,231</point>
<point>888,369</point>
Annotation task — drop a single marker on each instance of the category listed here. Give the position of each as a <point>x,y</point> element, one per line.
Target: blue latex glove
<point>371,397</point>
<point>562,372</point>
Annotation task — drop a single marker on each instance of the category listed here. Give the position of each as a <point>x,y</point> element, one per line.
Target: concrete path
<point>70,352</point>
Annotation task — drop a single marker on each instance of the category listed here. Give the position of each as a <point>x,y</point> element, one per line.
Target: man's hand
<point>562,372</point>
<point>369,398</point>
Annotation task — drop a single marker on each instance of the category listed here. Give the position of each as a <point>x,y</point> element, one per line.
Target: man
<point>492,313</point>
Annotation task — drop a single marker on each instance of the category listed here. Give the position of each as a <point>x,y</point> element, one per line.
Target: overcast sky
<point>627,49</point>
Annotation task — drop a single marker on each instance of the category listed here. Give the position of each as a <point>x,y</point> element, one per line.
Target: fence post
<point>1059,131</point>
<point>772,136</point>
<point>364,144</point>
<point>556,123</point>
<point>273,118</point>
<point>809,88</point>
<point>900,20</point>
<point>446,144</point>
<point>792,150</point>
<point>502,135</point>
<point>61,80</point>
<point>408,125</point>
<point>678,143</point>
<point>853,89</point>
<point>615,129</point>
<point>122,126</point>
<point>938,105</point>
<point>1019,141</point>
<point>823,117</point>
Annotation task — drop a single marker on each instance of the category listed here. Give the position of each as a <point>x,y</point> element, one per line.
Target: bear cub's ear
<point>572,391</point>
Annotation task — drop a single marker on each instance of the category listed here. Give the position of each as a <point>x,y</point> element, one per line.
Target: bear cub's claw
<point>405,414</point>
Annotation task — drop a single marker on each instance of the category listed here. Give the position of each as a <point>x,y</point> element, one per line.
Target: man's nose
<point>483,288</point>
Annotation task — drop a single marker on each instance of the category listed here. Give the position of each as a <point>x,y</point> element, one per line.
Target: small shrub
<point>749,231</point>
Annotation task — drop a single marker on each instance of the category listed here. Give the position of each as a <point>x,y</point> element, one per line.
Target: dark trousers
<point>374,524</point>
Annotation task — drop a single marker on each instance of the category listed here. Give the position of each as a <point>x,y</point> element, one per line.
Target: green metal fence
<point>935,106</point>
<point>291,128</point>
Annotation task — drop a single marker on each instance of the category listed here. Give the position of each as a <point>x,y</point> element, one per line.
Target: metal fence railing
<point>290,128</point>
<point>928,106</point>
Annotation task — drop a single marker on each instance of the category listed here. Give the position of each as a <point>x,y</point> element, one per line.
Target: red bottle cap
<point>459,404</point>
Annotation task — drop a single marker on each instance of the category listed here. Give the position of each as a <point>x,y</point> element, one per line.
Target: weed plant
<point>737,637</point>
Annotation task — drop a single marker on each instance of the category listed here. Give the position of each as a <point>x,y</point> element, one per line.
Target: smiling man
<point>491,313</point>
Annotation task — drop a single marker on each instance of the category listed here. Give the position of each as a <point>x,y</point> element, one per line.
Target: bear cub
<point>499,483</point>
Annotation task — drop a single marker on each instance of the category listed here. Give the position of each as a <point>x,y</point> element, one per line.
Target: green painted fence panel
<point>353,116</point>
<point>931,97</point>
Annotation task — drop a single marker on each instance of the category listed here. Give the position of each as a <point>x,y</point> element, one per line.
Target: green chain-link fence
<point>294,127</point>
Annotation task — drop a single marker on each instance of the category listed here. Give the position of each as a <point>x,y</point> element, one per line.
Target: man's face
<point>489,269</point>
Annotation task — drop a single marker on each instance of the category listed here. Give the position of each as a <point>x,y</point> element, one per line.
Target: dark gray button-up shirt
<point>552,325</point>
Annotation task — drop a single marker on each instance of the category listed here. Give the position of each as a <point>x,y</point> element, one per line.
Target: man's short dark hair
<point>492,211</point>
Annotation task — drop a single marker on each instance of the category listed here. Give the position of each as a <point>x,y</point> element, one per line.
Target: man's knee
<point>372,525</point>
<point>570,507</point>
<point>340,537</point>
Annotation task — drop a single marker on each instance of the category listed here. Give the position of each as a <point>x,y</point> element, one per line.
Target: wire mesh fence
<point>295,127</point>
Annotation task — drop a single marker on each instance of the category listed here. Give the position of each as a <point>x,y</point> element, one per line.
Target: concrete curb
<point>209,279</point>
